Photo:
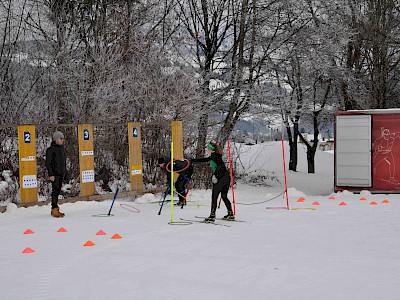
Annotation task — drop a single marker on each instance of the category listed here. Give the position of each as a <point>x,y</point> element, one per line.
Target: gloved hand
<point>214,179</point>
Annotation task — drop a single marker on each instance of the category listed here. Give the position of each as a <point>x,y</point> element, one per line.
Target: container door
<point>353,151</point>
<point>386,152</point>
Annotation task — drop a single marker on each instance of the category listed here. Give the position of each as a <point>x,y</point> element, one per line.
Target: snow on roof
<point>371,111</point>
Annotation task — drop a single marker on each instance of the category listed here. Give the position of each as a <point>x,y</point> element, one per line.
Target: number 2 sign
<point>27,137</point>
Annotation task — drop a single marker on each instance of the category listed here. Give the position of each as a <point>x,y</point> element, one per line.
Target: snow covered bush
<point>8,188</point>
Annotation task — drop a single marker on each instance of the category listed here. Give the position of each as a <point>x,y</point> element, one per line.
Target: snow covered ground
<point>326,251</point>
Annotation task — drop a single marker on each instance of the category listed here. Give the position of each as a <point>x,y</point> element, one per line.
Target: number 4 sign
<point>134,132</point>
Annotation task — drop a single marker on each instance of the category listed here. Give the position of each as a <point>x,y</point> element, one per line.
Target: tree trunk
<point>348,102</point>
<point>292,139</point>
<point>202,134</point>
<point>311,159</point>
<point>312,149</point>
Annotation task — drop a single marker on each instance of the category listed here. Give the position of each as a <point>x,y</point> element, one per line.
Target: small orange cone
<point>301,199</point>
<point>62,229</point>
<point>373,203</point>
<point>100,232</point>
<point>28,250</point>
<point>88,244</point>
<point>315,203</point>
<point>29,231</point>
<point>386,201</point>
<point>116,236</point>
<point>342,204</point>
<point>331,198</point>
<point>363,199</point>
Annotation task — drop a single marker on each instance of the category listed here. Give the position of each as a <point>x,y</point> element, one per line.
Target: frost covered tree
<point>310,72</point>
<point>107,65</point>
<point>230,45</point>
<point>199,32</point>
<point>373,52</point>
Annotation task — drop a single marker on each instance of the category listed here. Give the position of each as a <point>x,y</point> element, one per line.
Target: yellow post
<point>135,156</point>
<point>27,163</point>
<point>171,215</point>
<point>177,139</point>
<point>86,159</point>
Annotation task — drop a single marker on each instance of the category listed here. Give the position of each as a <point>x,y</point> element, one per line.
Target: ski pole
<point>231,177</point>
<point>284,173</point>
<point>115,197</point>
<point>162,203</point>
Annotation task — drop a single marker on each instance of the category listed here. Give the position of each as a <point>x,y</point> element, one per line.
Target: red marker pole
<point>284,174</point>
<point>231,174</point>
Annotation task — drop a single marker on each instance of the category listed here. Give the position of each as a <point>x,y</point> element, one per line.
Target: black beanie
<point>161,160</point>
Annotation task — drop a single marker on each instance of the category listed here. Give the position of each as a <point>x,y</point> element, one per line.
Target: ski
<point>222,219</point>
<point>160,201</point>
<point>204,222</point>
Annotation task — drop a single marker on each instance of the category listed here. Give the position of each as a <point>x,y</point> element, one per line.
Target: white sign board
<point>87,176</point>
<point>29,181</point>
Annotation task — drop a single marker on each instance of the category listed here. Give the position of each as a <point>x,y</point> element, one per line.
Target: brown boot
<point>55,212</point>
<point>62,214</point>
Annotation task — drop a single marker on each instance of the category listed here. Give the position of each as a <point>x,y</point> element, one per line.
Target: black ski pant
<point>180,185</point>
<point>221,187</point>
<point>56,190</point>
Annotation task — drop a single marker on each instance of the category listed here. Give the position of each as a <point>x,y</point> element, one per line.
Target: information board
<point>135,156</point>
<point>27,163</point>
<point>86,159</point>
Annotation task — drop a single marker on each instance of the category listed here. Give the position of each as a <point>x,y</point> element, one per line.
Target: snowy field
<point>326,251</point>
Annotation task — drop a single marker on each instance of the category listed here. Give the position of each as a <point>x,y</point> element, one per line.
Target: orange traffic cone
<point>28,250</point>
<point>88,244</point>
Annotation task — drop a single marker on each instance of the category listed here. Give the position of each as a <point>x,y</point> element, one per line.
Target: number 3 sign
<point>86,136</point>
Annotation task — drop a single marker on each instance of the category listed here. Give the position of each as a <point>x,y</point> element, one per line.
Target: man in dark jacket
<point>57,170</point>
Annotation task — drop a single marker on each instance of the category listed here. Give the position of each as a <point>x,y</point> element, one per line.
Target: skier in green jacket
<point>220,179</point>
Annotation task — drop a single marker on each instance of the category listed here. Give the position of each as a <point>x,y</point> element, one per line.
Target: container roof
<point>370,111</point>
